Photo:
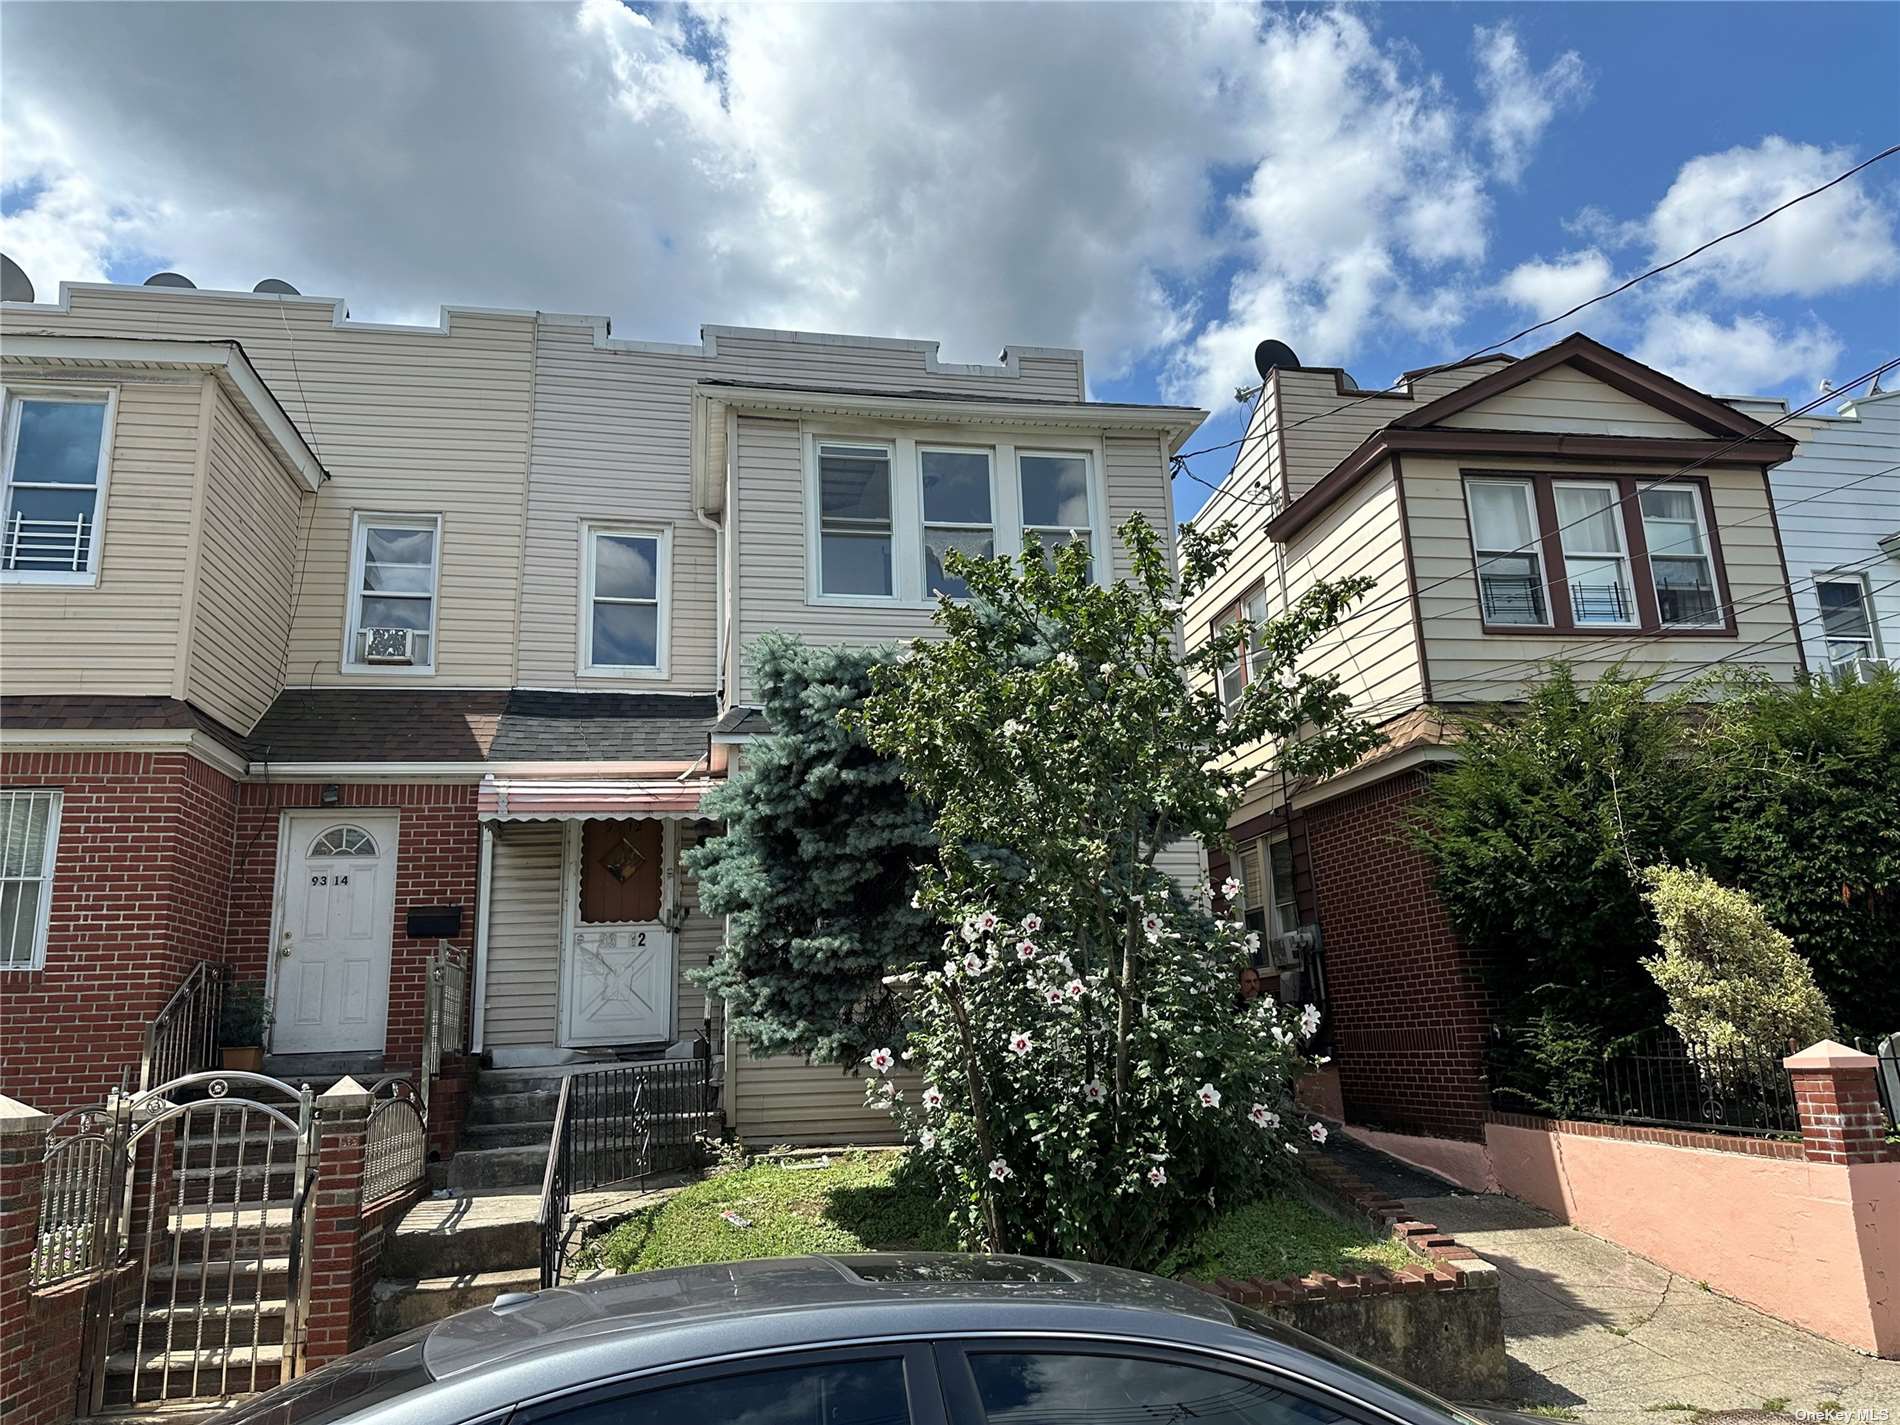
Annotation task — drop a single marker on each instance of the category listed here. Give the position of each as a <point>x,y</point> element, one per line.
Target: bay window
<point>1680,564</point>
<point>1504,539</point>
<point>56,448</point>
<point>1596,560</point>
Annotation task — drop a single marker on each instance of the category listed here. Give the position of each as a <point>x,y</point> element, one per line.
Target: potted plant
<point>242,1020</point>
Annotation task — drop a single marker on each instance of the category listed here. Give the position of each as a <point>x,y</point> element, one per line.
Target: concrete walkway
<point>1607,1336</point>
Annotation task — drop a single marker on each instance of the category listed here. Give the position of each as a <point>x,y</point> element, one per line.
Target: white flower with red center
<point>1074,989</point>
<point>1229,889</point>
<point>926,1140</point>
<point>1052,995</point>
<point>999,1170</point>
<point>1019,1043</point>
<point>882,1059</point>
<point>1151,927</point>
<point>1318,1132</point>
<point>972,963</point>
<point>1208,1095</point>
<point>1157,1175</point>
<point>987,922</point>
<point>969,930</point>
<point>1309,1021</point>
<point>1253,942</point>
<point>1025,949</point>
<point>1093,1091</point>
<point>931,1097</point>
<point>1031,923</point>
<point>1263,1117</point>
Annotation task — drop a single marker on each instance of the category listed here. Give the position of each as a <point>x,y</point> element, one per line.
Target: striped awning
<point>569,799</point>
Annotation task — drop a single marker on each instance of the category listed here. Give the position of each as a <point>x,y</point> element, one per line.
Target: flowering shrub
<point>1092,1088</point>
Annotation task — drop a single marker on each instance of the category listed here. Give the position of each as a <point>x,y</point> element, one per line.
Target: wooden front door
<point>618,962</point>
<point>331,987</point>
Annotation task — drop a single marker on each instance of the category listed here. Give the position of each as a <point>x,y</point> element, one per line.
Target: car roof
<point>805,1300</point>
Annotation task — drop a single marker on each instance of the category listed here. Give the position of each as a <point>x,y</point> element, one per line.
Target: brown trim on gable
<point>1279,435</point>
<point>1411,582</point>
<point>1591,449</point>
<point>1787,585</point>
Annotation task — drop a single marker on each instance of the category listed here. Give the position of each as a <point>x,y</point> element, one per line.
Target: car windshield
<point>381,1372</point>
<point>1262,1325</point>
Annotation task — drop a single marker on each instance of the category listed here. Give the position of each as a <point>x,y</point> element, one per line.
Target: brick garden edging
<point>1439,1326</point>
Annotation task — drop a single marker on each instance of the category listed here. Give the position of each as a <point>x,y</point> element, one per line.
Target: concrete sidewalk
<point>1611,1337</point>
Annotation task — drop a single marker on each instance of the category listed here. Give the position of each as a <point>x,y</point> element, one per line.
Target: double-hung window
<point>29,841</point>
<point>393,565</point>
<point>1680,563</point>
<point>623,628</point>
<point>854,520</point>
<point>1847,623</point>
<point>1266,877</point>
<point>1510,563</point>
<point>958,513</point>
<point>56,456</point>
<point>1056,502</point>
<point>1245,666</point>
<point>1596,557</point>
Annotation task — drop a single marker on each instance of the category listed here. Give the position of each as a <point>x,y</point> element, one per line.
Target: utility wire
<point>1888,152</point>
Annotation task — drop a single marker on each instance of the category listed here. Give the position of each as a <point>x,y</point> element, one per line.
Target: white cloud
<point>1747,354</point>
<point>1840,239</point>
<point>1520,101</point>
<point>1545,288</point>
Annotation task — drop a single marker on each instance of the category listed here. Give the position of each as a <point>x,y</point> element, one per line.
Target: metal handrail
<point>181,1037</point>
<point>550,1218</point>
<point>445,1013</point>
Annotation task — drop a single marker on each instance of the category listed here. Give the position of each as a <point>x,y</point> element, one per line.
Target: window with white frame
<point>29,824</point>
<point>958,513</point>
<point>1596,560</point>
<point>1056,501</point>
<point>393,569</point>
<point>1272,905</point>
<point>56,448</point>
<point>1847,622</point>
<point>854,520</point>
<point>1505,540</point>
<point>1681,565</point>
<point>626,591</point>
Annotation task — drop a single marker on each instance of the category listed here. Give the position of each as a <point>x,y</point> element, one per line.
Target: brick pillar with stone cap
<point>335,1321</point>
<point>38,1367</point>
<point>1834,1092</point>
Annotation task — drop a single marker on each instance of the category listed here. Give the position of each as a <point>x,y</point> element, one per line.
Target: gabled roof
<point>1728,434</point>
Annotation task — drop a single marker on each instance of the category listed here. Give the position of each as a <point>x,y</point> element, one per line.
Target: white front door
<point>619,985</point>
<point>339,899</point>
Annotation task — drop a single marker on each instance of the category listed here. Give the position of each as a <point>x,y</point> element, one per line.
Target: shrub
<point>1091,1090</point>
<point>1734,983</point>
<point>243,1015</point>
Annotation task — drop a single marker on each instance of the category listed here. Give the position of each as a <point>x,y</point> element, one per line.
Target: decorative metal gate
<point>212,1218</point>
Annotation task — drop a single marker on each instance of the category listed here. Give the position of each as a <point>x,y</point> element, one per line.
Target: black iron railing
<point>621,1125</point>
<point>1600,603</point>
<point>1512,598</point>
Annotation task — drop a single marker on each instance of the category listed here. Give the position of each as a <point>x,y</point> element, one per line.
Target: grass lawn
<point>864,1202</point>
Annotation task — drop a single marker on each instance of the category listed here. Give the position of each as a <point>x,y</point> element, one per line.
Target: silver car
<point>873,1339</point>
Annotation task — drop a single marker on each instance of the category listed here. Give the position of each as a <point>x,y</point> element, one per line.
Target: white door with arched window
<point>330,981</point>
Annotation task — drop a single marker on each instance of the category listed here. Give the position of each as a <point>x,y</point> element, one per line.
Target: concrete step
<point>170,1412</point>
<point>218,1280</point>
<point>240,1217</point>
<point>465,1235</point>
<point>400,1305</point>
<point>207,1374</point>
<point>477,1136</point>
<point>213,1324</point>
<point>529,1106</point>
<point>516,1167</point>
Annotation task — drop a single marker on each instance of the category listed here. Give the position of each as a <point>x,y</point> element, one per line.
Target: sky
<point>1381,187</point>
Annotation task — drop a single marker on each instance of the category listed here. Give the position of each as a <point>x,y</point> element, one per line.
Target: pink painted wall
<point>1812,1243</point>
<point>1467,1165</point>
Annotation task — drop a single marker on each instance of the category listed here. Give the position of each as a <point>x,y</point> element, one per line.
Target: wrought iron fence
<point>395,1146</point>
<point>619,1125</point>
<point>183,1037</point>
<point>78,1174</point>
<point>1886,1052</point>
<point>1652,1078</point>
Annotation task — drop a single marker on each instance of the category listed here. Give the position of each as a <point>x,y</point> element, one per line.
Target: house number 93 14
<point>323,879</point>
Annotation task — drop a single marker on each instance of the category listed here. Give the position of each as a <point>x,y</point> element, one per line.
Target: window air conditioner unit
<point>1284,951</point>
<point>389,645</point>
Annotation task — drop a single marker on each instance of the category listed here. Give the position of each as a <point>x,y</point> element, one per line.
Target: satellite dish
<point>169,279</point>
<point>15,285</point>
<point>276,287</point>
<point>1271,354</point>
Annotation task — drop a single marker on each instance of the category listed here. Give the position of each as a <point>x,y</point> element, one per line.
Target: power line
<point>1180,460</point>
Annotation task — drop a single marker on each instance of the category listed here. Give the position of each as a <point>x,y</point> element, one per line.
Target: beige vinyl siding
<point>406,420</point>
<point>1321,424</point>
<point>524,936</point>
<point>864,363</point>
<point>785,1099</point>
<point>1185,861</point>
<point>1469,664</point>
<point>246,573</point>
<point>611,435</point>
<point>122,634</point>
<point>772,541</point>
<point>1566,399</point>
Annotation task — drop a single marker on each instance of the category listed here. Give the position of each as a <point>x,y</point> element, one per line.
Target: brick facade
<point>140,887</point>
<point>1407,1010</point>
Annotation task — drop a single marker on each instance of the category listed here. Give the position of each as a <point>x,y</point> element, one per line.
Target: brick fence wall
<point>140,887</point>
<point>1408,1011</point>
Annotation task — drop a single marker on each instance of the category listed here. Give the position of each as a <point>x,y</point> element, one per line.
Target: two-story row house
<point>1574,504</point>
<point>326,640</point>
